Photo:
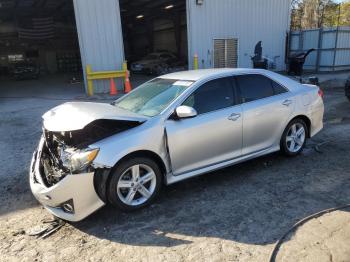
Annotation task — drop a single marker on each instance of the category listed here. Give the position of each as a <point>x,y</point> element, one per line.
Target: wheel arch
<point>282,144</point>
<point>102,176</point>
<point>145,153</point>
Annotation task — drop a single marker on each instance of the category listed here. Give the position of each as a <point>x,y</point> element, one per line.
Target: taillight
<point>320,93</point>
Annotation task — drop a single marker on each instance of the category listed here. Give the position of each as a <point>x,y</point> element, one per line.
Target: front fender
<point>148,136</point>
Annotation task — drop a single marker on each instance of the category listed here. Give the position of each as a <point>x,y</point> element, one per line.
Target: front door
<point>214,135</point>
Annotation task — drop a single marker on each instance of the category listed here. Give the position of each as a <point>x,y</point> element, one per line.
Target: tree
<point>344,18</point>
<point>317,13</point>
<point>297,14</point>
<point>314,11</point>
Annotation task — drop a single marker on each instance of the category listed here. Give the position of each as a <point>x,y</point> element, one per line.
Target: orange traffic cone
<point>127,82</point>
<point>113,89</point>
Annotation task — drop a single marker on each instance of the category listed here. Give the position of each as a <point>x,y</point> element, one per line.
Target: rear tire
<point>294,138</point>
<point>134,184</point>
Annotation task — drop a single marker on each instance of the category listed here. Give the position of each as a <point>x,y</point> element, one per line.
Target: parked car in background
<point>347,88</point>
<point>155,63</point>
<point>171,128</point>
<point>25,70</point>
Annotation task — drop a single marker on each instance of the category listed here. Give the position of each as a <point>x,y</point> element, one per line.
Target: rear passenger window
<point>211,96</point>
<point>277,88</point>
<point>254,87</point>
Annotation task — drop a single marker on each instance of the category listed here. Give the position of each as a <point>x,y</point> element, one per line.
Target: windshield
<point>153,97</point>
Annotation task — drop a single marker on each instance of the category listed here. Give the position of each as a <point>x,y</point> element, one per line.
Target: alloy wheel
<point>136,185</point>
<point>295,137</point>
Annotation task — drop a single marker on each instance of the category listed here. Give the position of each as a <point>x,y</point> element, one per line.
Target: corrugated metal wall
<point>248,20</point>
<point>333,48</point>
<point>100,37</point>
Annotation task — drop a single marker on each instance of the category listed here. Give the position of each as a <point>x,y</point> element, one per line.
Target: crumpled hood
<point>76,115</point>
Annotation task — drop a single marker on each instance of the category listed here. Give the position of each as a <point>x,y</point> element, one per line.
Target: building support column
<point>100,37</point>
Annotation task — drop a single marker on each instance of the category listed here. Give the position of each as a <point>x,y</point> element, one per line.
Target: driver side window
<point>213,95</point>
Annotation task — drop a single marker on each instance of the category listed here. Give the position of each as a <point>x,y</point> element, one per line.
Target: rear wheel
<point>134,184</point>
<point>294,137</point>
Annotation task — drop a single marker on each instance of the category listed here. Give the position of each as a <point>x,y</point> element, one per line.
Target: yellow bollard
<point>125,66</point>
<point>90,86</point>
<point>102,75</point>
<point>125,69</point>
<point>195,62</point>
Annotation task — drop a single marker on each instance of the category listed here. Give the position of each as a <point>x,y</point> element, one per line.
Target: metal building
<point>223,33</point>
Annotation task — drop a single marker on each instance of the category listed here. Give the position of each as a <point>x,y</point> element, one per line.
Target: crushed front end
<point>66,194</point>
<point>63,175</point>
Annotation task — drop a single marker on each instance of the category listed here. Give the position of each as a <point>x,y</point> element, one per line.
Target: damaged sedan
<point>169,129</point>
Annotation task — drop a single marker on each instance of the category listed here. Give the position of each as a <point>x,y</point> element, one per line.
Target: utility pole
<point>336,38</point>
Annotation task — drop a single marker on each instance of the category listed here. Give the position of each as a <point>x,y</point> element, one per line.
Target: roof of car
<point>195,75</point>
<point>202,74</point>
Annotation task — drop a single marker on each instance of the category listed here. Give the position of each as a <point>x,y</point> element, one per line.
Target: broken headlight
<point>77,160</point>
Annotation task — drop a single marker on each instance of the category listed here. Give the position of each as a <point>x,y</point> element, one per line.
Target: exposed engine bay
<point>60,146</point>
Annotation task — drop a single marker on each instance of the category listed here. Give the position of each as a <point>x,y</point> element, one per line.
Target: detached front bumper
<point>73,198</point>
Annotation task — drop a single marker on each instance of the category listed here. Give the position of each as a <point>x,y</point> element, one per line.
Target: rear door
<point>214,135</point>
<point>266,107</point>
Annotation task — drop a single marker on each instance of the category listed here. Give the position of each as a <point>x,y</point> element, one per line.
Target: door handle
<point>234,117</point>
<point>287,102</point>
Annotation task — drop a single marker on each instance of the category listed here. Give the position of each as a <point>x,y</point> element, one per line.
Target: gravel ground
<point>235,214</point>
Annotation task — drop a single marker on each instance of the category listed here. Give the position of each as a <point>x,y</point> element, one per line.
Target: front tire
<point>134,184</point>
<point>294,138</point>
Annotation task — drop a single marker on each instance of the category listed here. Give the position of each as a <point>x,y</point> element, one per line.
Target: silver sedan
<point>169,129</point>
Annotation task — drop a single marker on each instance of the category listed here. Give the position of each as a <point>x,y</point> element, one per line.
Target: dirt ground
<point>235,214</point>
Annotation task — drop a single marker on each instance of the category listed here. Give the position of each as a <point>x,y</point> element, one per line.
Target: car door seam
<point>166,145</point>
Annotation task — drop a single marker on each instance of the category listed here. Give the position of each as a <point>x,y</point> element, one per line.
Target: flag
<point>38,29</point>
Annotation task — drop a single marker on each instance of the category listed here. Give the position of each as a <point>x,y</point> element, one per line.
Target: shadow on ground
<point>254,202</point>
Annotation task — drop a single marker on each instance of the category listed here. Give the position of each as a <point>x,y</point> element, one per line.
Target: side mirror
<point>185,112</point>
